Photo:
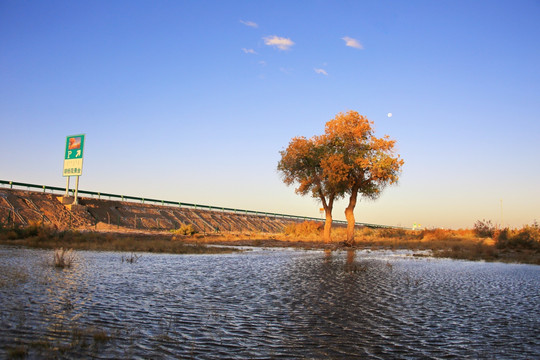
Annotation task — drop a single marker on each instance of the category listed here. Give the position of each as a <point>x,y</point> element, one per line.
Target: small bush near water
<point>132,259</point>
<point>526,238</point>
<point>304,229</point>
<point>33,229</point>
<point>484,228</point>
<point>64,257</point>
<point>185,230</point>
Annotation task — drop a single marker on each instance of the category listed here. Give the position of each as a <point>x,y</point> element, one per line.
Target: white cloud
<point>349,41</point>
<point>250,23</point>
<point>321,71</point>
<point>249,51</point>
<point>278,42</point>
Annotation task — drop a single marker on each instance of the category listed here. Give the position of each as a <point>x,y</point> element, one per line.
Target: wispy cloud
<point>279,42</point>
<point>250,23</point>
<point>321,71</point>
<point>249,51</point>
<point>349,41</point>
<point>286,70</point>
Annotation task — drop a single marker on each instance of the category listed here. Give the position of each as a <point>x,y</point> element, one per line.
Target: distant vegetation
<point>483,242</point>
<point>42,236</point>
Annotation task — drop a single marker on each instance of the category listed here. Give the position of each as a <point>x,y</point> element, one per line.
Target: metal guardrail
<point>11,184</point>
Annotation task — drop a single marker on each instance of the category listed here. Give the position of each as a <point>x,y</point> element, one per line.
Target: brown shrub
<point>436,234</point>
<point>304,229</point>
<point>484,228</point>
<point>185,230</point>
<point>527,237</point>
<point>391,233</point>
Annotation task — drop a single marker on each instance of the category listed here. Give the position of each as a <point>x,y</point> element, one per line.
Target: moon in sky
<point>389,114</point>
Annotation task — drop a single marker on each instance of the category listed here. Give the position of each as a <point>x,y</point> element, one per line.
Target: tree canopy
<point>368,162</point>
<point>304,163</point>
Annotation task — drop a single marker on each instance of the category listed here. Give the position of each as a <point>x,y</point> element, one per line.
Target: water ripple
<point>267,304</point>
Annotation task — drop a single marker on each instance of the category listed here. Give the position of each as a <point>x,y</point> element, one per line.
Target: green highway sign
<point>73,156</point>
<point>74,147</point>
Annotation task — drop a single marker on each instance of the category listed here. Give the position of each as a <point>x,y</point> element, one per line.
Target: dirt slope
<point>23,207</point>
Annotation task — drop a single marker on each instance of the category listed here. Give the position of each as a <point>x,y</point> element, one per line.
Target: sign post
<point>73,161</point>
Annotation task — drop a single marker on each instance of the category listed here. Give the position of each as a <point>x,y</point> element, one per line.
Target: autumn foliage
<point>346,160</point>
<point>306,162</point>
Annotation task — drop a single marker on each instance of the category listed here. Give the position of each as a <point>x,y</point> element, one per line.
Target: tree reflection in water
<point>270,304</point>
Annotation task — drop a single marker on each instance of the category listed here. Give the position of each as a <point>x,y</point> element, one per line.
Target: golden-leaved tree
<point>302,163</point>
<point>366,163</point>
<point>347,160</point>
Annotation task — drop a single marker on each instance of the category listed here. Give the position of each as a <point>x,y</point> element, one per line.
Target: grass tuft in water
<point>18,352</point>
<point>64,258</point>
<point>100,336</point>
<point>131,259</point>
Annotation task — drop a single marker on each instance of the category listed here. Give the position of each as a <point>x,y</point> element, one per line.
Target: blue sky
<point>193,100</point>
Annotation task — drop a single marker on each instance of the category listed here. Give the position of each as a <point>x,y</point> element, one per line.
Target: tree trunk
<point>328,225</point>
<point>349,215</point>
<point>327,235</point>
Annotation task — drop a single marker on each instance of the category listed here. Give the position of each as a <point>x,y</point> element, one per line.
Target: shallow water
<point>265,304</point>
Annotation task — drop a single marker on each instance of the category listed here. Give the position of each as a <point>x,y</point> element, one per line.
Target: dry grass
<point>517,245</point>
<point>109,241</point>
<point>33,229</point>
<point>509,245</point>
<point>100,336</point>
<point>64,258</point>
<point>17,352</point>
<point>185,230</point>
<point>131,259</point>
<point>306,229</point>
<point>89,339</point>
<point>12,276</point>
